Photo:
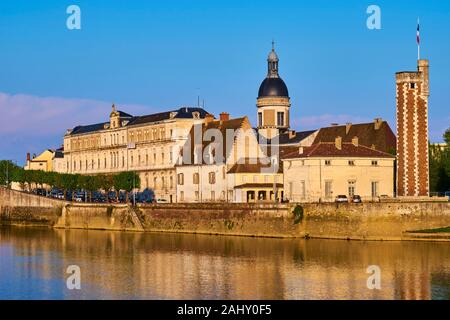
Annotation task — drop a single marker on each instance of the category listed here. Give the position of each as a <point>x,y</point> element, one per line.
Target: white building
<point>214,158</point>
<point>325,170</point>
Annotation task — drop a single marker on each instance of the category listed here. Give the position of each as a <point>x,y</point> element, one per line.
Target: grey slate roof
<point>182,113</point>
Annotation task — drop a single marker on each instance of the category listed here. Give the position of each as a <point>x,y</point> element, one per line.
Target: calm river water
<point>33,264</point>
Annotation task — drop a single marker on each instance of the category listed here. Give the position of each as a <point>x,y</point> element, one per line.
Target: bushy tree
<point>440,166</point>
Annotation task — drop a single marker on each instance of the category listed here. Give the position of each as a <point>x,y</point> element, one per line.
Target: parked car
<point>161,201</point>
<point>40,192</point>
<point>356,199</point>
<point>57,194</point>
<point>98,197</point>
<point>341,198</point>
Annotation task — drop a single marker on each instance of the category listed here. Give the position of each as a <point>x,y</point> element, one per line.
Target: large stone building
<point>412,131</point>
<point>148,145</point>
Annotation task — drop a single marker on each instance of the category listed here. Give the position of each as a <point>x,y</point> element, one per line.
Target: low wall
<point>366,221</point>
<point>373,221</point>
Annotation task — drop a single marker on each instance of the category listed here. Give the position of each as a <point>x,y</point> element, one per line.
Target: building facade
<point>148,145</point>
<point>412,132</point>
<point>215,170</point>
<point>325,170</point>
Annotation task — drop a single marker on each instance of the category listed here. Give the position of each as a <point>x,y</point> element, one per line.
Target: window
<point>374,163</point>
<point>328,189</point>
<point>374,189</point>
<point>255,179</point>
<point>412,85</point>
<point>260,120</point>
<point>197,196</point>
<point>213,196</point>
<point>328,162</point>
<point>180,179</point>
<point>303,189</point>
<point>351,162</point>
<point>266,179</point>
<point>351,188</point>
<point>280,119</point>
<point>171,182</point>
<point>181,196</point>
<point>212,177</point>
<point>244,179</point>
<point>195,178</point>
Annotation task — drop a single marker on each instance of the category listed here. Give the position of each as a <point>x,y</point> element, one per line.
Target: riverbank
<point>366,221</point>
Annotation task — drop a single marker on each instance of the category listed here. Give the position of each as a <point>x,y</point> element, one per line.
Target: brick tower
<point>412,132</point>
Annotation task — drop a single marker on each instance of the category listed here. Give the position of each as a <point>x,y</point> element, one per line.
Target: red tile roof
<point>328,149</point>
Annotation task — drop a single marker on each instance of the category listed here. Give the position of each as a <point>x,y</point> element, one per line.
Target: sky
<point>151,56</point>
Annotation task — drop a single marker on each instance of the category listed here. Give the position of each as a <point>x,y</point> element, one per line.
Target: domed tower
<point>273,101</point>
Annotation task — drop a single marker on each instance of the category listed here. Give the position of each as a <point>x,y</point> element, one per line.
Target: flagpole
<point>418,39</point>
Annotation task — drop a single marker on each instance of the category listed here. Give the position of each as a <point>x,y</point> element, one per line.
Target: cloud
<point>324,120</point>
<point>23,113</point>
<point>31,123</point>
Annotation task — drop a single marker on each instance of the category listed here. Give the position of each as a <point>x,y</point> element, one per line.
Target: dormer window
<point>196,115</point>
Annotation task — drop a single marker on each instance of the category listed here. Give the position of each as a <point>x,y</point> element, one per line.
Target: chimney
<point>224,116</point>
<point>355,141</point>
<point>292,134</point>
<point>300,150</point>
<point>347,127</point>
<point>338,143</point>
<point>209,118</point>
<point>378,122</point>
<point>28,156</point>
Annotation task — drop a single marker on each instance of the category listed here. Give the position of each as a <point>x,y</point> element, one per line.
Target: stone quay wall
<point>366,221</point>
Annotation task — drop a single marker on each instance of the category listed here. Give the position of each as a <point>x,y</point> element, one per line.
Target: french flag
<point>418,32</point>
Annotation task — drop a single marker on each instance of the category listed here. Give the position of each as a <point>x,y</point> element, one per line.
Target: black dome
<point>273,87</point>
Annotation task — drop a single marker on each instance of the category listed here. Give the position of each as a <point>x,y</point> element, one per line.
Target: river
<point>115,265</point>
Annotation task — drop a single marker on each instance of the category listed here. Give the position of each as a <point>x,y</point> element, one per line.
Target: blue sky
<point>149,56</point>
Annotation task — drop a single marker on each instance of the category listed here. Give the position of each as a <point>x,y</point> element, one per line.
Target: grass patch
<point>437,230</point>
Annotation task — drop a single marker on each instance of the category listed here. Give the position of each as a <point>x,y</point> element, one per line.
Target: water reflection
<point>173,266</point>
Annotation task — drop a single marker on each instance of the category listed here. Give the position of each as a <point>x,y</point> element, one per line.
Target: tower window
<point>412,85</point>
<point>260,122</point>
<point>280,119</point>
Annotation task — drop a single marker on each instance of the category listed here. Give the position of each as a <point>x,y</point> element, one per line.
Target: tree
<point>106,183</point>
<point>7,172</point>
<point>440,166</point>
<point>127,181</point>
<point>447,138</point>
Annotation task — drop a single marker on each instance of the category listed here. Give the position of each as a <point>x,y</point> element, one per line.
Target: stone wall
<point>367,221</point>
<point>373,221</point>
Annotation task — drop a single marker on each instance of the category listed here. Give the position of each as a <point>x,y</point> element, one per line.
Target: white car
<point>341,199</point>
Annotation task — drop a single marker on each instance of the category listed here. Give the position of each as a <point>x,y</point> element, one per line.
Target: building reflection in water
<point>118,265</point>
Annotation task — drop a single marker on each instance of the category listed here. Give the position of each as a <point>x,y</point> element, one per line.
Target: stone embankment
<point>366,221</point>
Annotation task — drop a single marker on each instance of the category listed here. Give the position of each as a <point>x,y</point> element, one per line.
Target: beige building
<point>148,145</point>
<point>43,162</point>
<point>325,170</point>
<point>229,168</point>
